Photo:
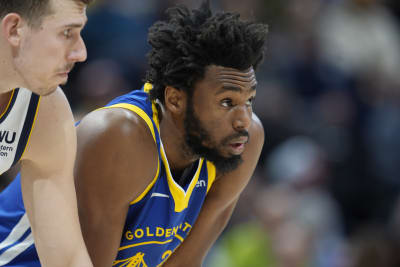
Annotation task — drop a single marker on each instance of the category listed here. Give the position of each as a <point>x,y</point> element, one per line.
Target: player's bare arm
<point>48,186</point>
<point>197,103</point>
<point>219,204</point>
<point>116,161</point>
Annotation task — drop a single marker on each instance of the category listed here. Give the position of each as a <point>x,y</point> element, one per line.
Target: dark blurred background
<point>326,190</point>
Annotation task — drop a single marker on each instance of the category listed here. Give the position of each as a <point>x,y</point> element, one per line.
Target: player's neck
<point>174,144</point>
<point>9,76</point>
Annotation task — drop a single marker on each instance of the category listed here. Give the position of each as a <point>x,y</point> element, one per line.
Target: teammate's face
<point>48,52</point>
<point>219,115</point>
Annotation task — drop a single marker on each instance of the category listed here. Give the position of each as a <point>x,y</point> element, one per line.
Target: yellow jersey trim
<point>211,174</point>
<point>179,237</point>
<point>33,126</point>
<point>146,243</point>
<point>138,111</point>
<point>147,119</point>
<point>8,105</point>
<point>143,194</point>
<point>181,198</point>
<point>134,261</point>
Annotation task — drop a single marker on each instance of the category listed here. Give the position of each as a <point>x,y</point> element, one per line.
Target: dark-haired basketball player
<point>159,170</point>
<point>39,44</point>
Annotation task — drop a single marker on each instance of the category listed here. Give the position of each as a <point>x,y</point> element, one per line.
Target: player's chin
<point>49,90</point>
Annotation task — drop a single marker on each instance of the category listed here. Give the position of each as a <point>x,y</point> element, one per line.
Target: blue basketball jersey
<point>16,240</point>
<point>158,220</point>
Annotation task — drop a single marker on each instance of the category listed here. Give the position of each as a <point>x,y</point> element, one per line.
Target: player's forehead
<point>226,77</point>
<point>66,12</point>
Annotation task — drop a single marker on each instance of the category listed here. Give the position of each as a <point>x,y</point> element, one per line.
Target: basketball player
<point>172,158</point>
<point>159,170</point>
<point>39,43</point>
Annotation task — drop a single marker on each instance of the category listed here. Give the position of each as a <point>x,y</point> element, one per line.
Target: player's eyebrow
<point>233,88</point>
<point>76,24</point>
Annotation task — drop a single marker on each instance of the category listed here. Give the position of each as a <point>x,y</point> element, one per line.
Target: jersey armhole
<point>147,119</point>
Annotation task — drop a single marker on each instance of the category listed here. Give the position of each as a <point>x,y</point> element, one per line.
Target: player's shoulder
<point>114,122</point>
<point>116,129</point>
<point>54,111</point>
<point>122,135</point>
<point>55,99</point>
<point>53,129</point>
<point>257,130</point>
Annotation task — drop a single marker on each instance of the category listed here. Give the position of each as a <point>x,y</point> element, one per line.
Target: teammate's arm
<point>219,205</point>
<point>48,186</point>
<point>116,160</point>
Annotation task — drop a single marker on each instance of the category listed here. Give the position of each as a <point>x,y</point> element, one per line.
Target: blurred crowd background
<point>326,192</point>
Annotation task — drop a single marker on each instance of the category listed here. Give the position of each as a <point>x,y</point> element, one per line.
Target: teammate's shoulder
<point>56,97</point>
<point>117,123</point>
<point>53,128</point>
<point>55,107</point>
<point>257,129</point>
<point>121,133</point>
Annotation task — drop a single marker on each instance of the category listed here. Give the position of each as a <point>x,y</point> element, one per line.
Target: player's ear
<point>175,100</point>
<point>12,28</point>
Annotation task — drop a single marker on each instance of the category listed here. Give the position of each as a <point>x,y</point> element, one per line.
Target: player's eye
<point>227,102</point>
<point>67,33</point>
<point>250,101</point>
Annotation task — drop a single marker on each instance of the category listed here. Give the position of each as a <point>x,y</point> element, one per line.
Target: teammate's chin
<point>47,91</point>
<point>63,78</point>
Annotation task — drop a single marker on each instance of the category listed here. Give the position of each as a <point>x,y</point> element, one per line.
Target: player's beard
<point>196,135</point>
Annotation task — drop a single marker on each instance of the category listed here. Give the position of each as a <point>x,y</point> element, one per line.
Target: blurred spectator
<point>116,32</point>
<point>297,222</point>
<point>99,81</point>
<point>373,246</point>
<point>359,36</point>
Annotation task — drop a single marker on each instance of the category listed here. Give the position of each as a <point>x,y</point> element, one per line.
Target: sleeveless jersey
<point>158,220</point>
<point>16,124</point>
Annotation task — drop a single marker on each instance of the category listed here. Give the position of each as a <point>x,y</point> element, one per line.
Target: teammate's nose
<point>78,53</point>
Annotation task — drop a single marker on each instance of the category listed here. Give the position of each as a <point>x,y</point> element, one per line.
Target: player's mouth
<point>237,146</point>
<point>63,74</point>
<point>65,71</point>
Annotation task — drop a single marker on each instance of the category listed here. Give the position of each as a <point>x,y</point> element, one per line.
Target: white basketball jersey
<point>16,124</point>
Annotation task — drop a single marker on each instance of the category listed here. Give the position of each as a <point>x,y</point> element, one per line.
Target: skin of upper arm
<point>52,145</point>
<point>48,187</point>
<point>219,204</point>
<point>116,161</point>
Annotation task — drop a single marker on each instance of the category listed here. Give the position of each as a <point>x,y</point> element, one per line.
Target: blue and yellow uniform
<point>161,217</point>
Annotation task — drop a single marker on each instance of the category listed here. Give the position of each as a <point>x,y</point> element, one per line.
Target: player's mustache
<point>236,136</point>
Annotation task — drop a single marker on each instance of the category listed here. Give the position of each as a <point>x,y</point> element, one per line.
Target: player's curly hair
<point>189,41</point>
